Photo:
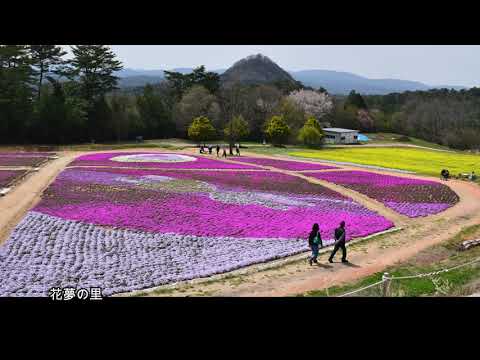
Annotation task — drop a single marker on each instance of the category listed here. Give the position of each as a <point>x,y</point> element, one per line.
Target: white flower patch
<point>273,201</point>
<point>45,251</point>
<point>148,179</point>
<point>157,158</point>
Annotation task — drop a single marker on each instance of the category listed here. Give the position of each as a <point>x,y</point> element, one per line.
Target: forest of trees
<point>46,99</point>
<point>446,117</point>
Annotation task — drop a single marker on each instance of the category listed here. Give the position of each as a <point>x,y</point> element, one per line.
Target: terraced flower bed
<point>283,164</point>
<point>21,159</point>
<point>8,176</point>
<point>129,229</point>
<point>27,153</point>
<point>409,197</point>
<point>155,160</point>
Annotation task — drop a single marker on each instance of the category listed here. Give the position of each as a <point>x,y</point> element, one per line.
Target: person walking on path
<point>210,149</point>
<point>314,242</point>
<point>340,235</point>
<point>237,149</point>
<point>218,150</point>
<point>224,152</point>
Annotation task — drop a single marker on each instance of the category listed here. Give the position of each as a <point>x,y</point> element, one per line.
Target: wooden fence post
<point>386,284</point>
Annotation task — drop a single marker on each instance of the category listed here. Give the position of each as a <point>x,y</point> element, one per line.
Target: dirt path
<point>366,257</point>
<point>26,194</point>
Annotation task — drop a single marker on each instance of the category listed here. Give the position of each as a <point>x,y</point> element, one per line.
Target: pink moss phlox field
<point>131,229</point>
<point>198,162</point>
<point>410,197</point>
<point>8,176</point>
<point>283,164</point>
<point>205,203</point>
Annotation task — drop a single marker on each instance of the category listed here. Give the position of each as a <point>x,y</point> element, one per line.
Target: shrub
<point>277,130</point>
<point>201,129</point>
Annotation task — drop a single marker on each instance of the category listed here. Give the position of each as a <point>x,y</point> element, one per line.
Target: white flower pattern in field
<point>267,199</point>
<point>166,158</point>
<point>144,180</point>
<point>270,200</point>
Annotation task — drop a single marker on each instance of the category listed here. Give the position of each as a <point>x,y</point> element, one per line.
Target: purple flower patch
<point>409,197</point>
<point>8,176</point>
<point>22,160</point>
<point>283,164</point>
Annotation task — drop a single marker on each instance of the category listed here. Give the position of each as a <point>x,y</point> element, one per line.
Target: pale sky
<point>432,64</point>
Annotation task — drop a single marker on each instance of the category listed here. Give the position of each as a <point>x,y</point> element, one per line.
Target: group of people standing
<point>217,148</point>
<point>315,243</point>
<point>445,175</point>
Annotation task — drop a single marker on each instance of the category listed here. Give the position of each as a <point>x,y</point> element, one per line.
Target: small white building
<point>340,136</point>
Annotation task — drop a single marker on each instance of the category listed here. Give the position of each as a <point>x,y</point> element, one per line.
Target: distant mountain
<point>343,82</point>
<point>260,69</point>
<point>139,77</point>
<point>139,80</point>
<point>255,69</point>
<point>127,72</point>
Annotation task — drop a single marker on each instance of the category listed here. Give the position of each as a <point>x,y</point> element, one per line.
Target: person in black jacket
<point>314,242</point>
<point>340,235</point>
<point>445,174</point>
<point>218,150</point>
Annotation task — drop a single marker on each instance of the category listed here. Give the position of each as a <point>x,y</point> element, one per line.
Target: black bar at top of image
<point>245,24</point>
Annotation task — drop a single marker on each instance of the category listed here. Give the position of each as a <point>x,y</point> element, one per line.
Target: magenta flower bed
<point>283,164</point>
<point>8,176</point>
<point>191,161</point>
<point>130,229</point>
<point>21,160</point>
<point>222,203</point>
<point>410,197</point>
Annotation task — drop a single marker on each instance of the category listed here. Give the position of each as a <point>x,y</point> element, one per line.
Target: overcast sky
<point>434,65</point>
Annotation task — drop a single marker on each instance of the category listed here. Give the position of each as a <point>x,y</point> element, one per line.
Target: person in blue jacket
<point>314,242</point>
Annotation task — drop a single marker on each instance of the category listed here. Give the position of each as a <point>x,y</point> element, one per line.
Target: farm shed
<point>340,136</point>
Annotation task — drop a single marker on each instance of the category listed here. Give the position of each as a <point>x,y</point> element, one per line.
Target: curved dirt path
<point>295,277</point>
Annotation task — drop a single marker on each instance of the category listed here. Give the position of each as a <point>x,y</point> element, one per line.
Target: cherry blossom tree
<point>314,103</point>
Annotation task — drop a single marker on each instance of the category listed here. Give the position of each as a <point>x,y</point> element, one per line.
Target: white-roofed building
<point>340,136</point>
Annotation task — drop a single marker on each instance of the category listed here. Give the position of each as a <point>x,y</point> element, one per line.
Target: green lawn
<point>428,162</point>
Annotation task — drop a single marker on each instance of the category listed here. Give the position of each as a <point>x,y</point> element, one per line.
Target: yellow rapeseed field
<point>428,162</point>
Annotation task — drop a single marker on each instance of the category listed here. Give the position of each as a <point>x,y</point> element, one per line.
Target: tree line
<point>48,99</point>
<point>443,116</point>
